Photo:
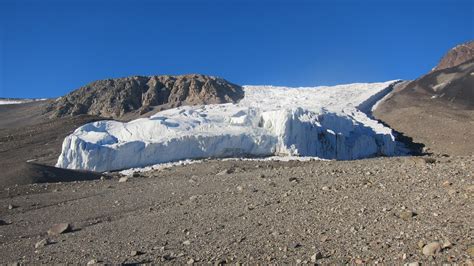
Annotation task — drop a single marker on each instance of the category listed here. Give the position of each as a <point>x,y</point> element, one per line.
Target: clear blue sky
<point>48,48</point>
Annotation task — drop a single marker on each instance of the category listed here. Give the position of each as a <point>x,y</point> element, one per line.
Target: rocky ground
<point>385,210</point>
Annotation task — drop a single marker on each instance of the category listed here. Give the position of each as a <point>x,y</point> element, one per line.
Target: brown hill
<point>436,109</point>
<point>127,98</point>
<point>456,56</point>
<point>453,87</point>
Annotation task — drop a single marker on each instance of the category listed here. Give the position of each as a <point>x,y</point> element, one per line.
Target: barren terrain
<point>375,210</point>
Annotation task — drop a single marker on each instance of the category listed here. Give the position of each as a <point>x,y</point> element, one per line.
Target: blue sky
<point>49,47</point>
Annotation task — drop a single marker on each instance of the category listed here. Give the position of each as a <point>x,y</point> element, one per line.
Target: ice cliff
<point>326,122</point>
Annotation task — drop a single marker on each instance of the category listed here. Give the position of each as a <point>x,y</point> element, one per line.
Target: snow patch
<point>4,101</point>
<point>325,122</point>
<point>161,166</point>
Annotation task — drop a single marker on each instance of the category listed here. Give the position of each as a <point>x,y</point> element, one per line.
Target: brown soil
<point>365,211</point>
<point>26,135</point>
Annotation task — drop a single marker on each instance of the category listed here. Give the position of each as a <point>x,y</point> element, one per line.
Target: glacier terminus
<point>329,122</point>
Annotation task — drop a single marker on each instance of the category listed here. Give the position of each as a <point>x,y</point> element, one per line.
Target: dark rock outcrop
<point>130,97</point>
<point>456,56</point>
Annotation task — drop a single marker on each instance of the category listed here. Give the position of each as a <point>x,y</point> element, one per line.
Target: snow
<point>4,101</point>
<point>162,166</point>
<point>325,122</point>
<point>159,166</point>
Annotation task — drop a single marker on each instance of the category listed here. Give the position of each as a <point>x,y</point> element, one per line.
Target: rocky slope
<point>124,98</point>
<point>436,109</point>
<point>456,56</point>
<point>452,87</point>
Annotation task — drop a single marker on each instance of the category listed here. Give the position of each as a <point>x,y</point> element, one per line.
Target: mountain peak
<point>456,56</point>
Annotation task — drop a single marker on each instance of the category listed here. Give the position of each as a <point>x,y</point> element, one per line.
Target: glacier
<point>330,122</point>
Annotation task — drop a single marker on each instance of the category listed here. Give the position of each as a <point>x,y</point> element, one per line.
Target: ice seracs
<point>327,122</point>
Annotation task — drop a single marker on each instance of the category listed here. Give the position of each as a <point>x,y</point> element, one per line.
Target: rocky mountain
<point>437,109</point>
<point>453,87</point>
<point>456,56</point>
<point>128,97</point>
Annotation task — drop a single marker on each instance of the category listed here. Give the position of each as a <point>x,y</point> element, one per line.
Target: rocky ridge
<point>456,56</point>
<point>453,87</point>
<point>129,97</point>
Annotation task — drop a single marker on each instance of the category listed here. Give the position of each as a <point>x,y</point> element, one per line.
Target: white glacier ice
<point>5,101</point>
<point>326,122</point>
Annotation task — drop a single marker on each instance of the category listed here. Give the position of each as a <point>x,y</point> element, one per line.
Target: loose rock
<point>226,172</point>
<point>316,256</point>
<point>42,243</point>
<point>92,262</point>
<point>447,244</point>
<point>295,245</point>
<point>293,179</point>
<point>421,244</point>
<point>432,249</point>
<point>470,251</point>
<point>406,214</point>
<point>447,183</point>
<point>58,229</point>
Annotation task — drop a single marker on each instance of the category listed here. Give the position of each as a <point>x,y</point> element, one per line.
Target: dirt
<point>27,136</point>
<point>440,130</point>
<point>383,210</point>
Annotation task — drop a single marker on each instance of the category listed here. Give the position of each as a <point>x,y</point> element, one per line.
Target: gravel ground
<point>382,210</point>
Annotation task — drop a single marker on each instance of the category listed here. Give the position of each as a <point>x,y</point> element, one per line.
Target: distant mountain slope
<point>456,56</point>
<point>453,87</point>
<point>126,98</point>
<point>436,109</point>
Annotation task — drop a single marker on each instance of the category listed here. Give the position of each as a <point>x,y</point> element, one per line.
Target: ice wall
<point>324,122</point>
